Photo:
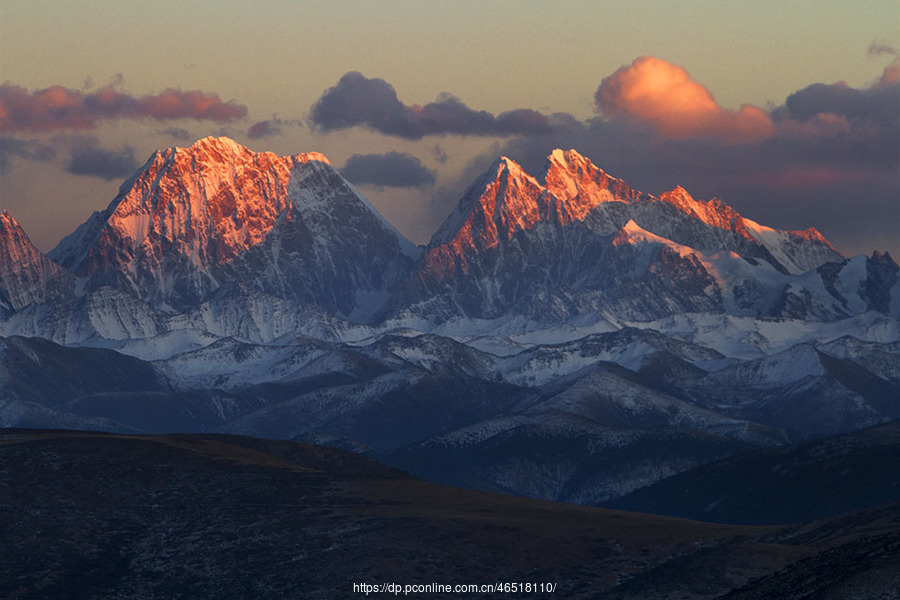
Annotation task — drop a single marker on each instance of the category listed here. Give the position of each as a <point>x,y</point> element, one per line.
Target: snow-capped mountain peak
<point>190,217</point>
<point>16,250</point>
<point>632,233</point>
<point>797,251</point>
<point>576,239</point>
<point>502,201</point>
<point>223,230</point>
<point>26,275</point>
<point>579,186</point>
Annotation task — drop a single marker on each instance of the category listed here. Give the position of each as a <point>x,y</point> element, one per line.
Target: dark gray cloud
<point>880,103</point>
<point>89,159</point>
<point>60,108</point>
<point>394,169</point>
<point>269,127</point>
<point>358,101</point>
<point>439,154</point>
<point>176,133</point>
<point>878,48</point>
<point>11,147</point>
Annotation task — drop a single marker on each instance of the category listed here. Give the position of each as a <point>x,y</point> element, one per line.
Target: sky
<point>788,111</point>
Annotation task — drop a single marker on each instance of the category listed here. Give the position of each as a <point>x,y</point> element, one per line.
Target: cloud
<point>60,108</point>
<point>439,154</point>
<point>88,158</point>
<point>663,95</point>
<point>879,103</point>
<point>394,169</point>
<point>841,127</point>
<point>877,49</point>
<point>269,127</point>
<point>891,74</point>
<point>177,133</point>
<point>263,129</point>
<point>357,101</point>
<point>830,158</point>
<point>11,147</point>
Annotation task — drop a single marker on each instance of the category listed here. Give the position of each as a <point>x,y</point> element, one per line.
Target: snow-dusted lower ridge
<point>583,421</point>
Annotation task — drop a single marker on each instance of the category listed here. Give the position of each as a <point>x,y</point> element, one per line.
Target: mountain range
<point>562,336</point>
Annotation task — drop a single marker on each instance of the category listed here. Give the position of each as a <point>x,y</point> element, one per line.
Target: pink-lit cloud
<point>262,129</point>
<point>59,108</point>
<point>830,156</point>
<point>657,92</point>
<point>891,74</point>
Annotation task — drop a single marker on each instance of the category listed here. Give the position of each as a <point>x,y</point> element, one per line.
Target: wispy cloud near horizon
<point>879,48</point>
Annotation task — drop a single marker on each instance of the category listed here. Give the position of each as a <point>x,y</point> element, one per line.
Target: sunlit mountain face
<point>195,220</point>
<point>563,336</point>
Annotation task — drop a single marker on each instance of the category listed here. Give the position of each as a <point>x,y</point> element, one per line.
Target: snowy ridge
<point>307,197</point>
<point>578,186</point>
<point>576,241</point>
<point>798,251</point>
<point>215,241</point>
<point>26,276</point>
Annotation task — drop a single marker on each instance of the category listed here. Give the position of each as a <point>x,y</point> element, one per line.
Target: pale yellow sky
<point>277,58</point>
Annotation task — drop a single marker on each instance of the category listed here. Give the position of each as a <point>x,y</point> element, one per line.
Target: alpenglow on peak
<point>215,214</point>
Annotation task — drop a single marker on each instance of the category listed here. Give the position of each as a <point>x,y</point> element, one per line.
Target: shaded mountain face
<point>26,276</point>
<point>194,220</point>
<point>808,481</point>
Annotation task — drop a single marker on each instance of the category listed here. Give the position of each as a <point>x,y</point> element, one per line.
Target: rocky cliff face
<point>26,276</point>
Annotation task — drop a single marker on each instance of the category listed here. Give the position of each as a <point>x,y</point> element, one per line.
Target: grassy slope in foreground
<point>114,516</point>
